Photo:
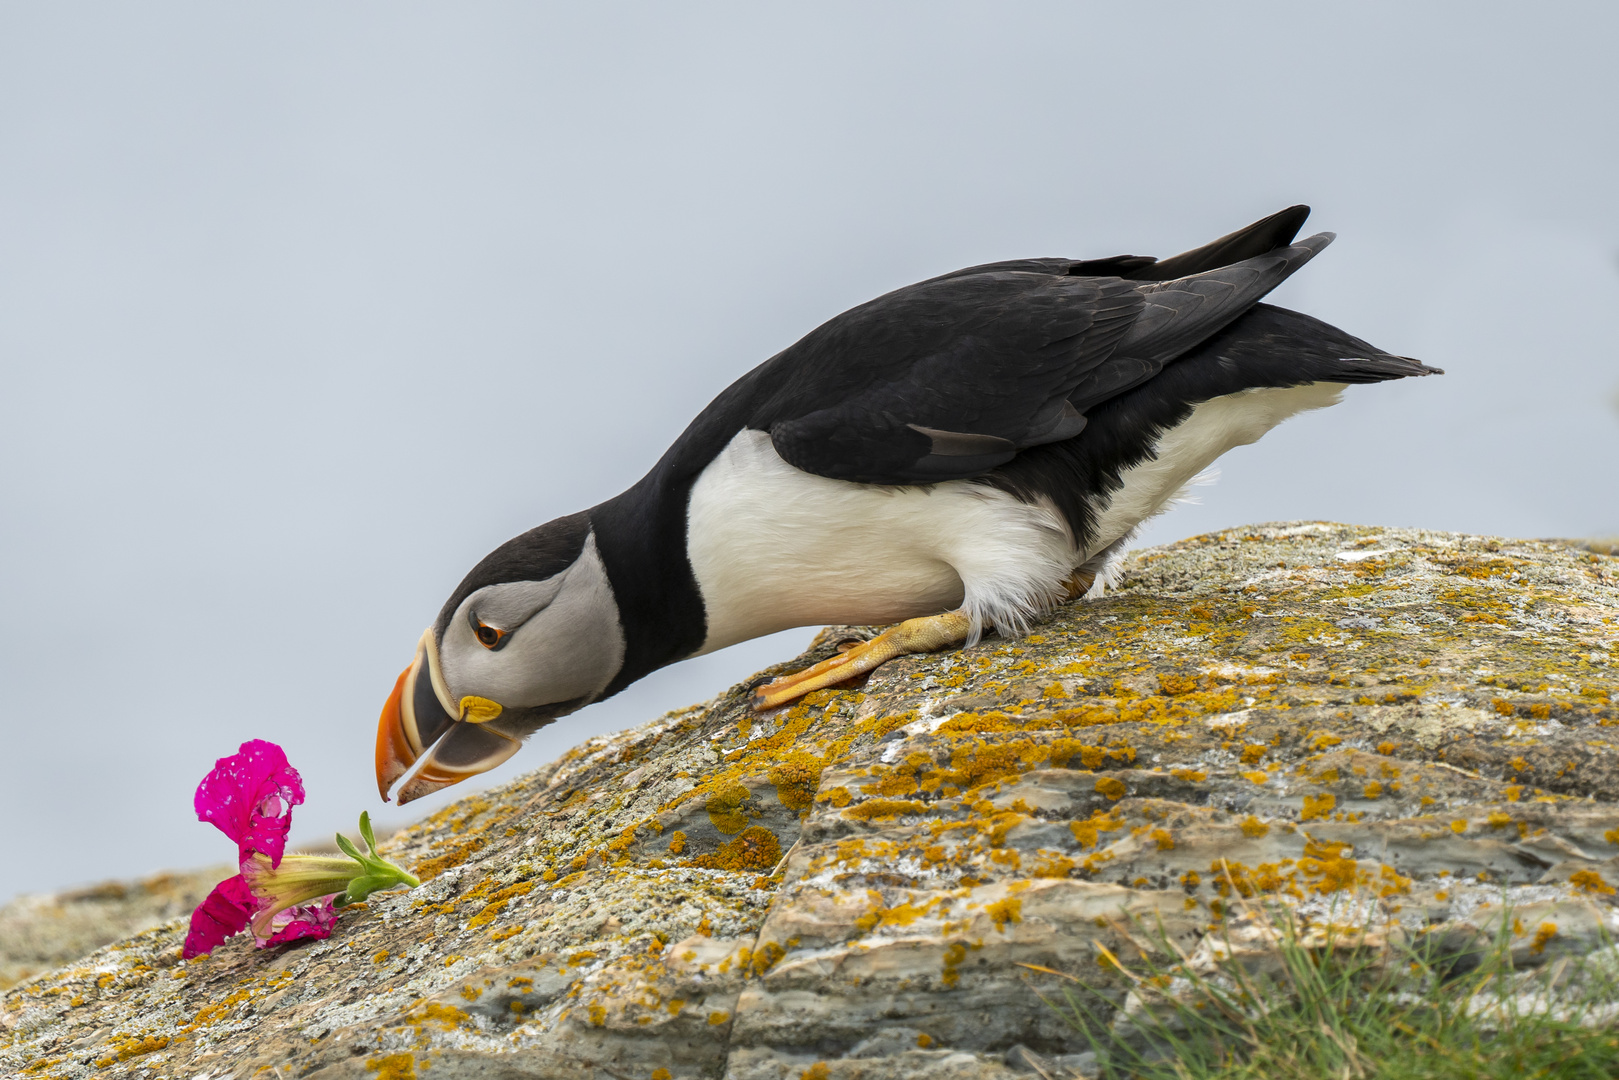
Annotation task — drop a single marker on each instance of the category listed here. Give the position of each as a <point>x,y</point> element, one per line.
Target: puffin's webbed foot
<point>1078,584</point>
<point>929,634</point>
<point>911,636</point>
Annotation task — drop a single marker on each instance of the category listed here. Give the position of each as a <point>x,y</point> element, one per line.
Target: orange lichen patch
<point>1005,912</point>
<point>1372,790</point>
<point>1590,881</point>
<point>757,848</point>
<point>1458,826</point>
<point>133,1048</point>
<point>1498,820</point>
<point>796,777</point>
<point>1088,833</point>
<point>715,1019</point>
<point>1175,685</point>
<point>1543,937</point>
<point>885,809</point>
<point>1317,806</point>
<point>454,854</point>
<point>1256,777</point>
<point>955,954</point>
<point>1328,864</point>
<point>1163,839</point>
<point>1111,788</point>
<point>1254,753</point>
<point>1191,879</point>
<point>392,1067</point>
<point>1253,827</point>
<point>725,809</point>
<point>766,957</point>
<point>1264,878</point>
<point>677,842</point>
<point>497,903</point>
<point>1052,865</point>
<point>1191,776</point>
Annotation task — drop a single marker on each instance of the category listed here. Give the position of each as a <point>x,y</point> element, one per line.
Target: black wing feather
<point>958,375</point>
<point>989,355</point>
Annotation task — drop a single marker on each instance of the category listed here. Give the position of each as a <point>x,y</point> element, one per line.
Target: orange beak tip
<point>395,755</point>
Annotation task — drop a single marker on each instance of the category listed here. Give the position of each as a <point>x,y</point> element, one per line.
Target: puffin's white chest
<point>774,548</point>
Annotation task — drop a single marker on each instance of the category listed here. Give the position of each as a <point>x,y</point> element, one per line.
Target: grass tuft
<point>1276,998</point>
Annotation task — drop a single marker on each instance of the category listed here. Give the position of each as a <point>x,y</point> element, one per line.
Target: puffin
<point>951,459</point>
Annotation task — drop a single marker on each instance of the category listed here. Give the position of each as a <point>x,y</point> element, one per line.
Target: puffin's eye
<point>488,636</point>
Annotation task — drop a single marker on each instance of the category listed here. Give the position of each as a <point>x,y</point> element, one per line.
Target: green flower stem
<point>302,878</point>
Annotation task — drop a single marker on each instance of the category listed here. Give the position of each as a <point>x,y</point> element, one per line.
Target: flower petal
<point>304,921</point>
<point>249,796</point>
<point>225,912</point>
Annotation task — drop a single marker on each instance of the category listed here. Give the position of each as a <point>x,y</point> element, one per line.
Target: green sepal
<point>375,871</point>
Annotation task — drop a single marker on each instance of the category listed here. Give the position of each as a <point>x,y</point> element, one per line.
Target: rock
<point>883,881</point>
<point>38,933</point>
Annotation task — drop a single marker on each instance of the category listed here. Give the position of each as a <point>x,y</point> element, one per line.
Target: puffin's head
<point>532,634</point>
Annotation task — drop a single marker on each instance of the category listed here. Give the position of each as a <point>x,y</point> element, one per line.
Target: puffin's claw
<point>911,636</point>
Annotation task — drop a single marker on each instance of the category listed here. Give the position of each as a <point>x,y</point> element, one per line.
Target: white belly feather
<point>773,547</point>
<point>1185,450</point>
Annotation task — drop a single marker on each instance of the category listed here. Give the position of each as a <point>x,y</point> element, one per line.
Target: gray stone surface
<point>41,932</point>
<point>1412,725</point>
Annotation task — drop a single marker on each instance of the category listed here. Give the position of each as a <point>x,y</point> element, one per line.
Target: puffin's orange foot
<point>911,636</point>
<point>1078,584</point>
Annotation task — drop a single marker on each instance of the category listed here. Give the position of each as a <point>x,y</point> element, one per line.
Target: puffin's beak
<point>418,715</point>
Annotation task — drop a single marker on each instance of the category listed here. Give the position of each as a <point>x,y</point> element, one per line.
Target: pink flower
<point>249,796</point>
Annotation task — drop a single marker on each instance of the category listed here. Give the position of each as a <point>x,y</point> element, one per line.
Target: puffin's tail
<point>1273,346</point>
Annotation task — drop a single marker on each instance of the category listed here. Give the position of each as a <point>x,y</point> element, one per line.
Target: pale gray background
<point>304,307</point>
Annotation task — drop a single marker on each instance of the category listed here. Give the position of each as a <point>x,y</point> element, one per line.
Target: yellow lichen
<point>756,849</point>
<point>725,809</point>
<point>1317,806</point>
<point>392,1067</point>
<point>1590,881</point>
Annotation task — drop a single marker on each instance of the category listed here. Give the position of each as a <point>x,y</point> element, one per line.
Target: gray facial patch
<point>511,604</point>
<point>564,641</point>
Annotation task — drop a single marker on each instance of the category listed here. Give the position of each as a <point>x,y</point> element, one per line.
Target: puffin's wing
<point>945,379</point>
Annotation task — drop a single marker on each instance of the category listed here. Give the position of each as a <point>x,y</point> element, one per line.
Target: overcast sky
<point>305,307</point>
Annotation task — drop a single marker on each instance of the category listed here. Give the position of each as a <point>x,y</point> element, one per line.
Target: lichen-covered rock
<point>38,933</point>
<point>877,881</point>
